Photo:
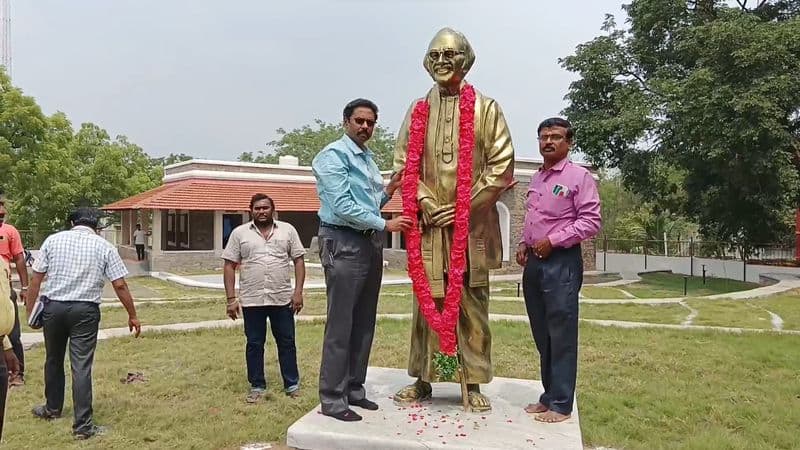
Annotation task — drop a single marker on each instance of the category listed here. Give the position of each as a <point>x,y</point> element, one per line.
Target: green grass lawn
<point>671,313</point>
<point>787,306</point>
<point>729,313</point>
<point>638,389</point>
<point>602,292</point>
<point>664,285</point>
<point>167,289</point>
<point>668,313</point>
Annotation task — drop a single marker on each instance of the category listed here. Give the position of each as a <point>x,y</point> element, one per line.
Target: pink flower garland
<point>444,323</point>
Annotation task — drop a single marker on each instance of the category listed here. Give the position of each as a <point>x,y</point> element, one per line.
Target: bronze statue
<point>448,59</point>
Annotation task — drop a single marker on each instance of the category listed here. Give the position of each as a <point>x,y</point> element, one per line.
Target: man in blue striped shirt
<point>351,195</point>
<point>77,263</point>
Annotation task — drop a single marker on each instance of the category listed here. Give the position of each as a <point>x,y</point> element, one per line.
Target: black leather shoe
<point>366,404</point>
<point>348,415</point>
<point>89,433</point>
<point>42,412</point>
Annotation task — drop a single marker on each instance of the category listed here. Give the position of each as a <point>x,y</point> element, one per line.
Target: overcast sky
<point>215,78</point>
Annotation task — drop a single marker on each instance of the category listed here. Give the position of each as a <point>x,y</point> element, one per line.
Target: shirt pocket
<point>556,203</point>
<point>278,248</point>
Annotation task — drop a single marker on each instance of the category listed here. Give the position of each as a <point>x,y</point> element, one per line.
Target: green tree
<point>698,105</point>
<point>305,142</point>
<point>172,158</point>
<point>615,201</point>
<point>47,168</point>
<point>87,168</point>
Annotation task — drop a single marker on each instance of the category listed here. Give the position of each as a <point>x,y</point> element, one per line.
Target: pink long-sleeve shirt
<point>563,205</point>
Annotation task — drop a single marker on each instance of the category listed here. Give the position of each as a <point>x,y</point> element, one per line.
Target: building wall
<point>201,230</point>
<point>306,224</point>
<point>185,261</point>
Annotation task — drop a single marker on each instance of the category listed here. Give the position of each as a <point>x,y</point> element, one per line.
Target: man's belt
<point>366,233</point>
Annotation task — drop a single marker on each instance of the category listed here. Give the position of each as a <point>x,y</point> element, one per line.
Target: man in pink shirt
<point>562,209</point>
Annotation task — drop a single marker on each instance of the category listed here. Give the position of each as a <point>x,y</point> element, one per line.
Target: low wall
<point>186,261</point>
<point>731,269</point>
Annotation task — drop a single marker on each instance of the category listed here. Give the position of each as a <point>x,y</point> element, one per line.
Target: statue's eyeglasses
<point>447,53</point>
<point>361,121</point>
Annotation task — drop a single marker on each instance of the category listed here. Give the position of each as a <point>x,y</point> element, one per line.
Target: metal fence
<point>775,254</point>
<point>694,257</point>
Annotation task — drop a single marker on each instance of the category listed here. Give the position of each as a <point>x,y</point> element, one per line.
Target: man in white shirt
<point>139,240</point>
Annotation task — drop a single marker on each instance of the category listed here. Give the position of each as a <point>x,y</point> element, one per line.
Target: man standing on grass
<point>264,250</point>
<point>77,263</point>
<point>563,209</point>
<point>11,251</point>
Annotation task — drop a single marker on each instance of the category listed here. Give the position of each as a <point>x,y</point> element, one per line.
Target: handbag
<point>36,319</point>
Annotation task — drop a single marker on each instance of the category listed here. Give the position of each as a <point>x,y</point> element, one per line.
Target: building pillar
<point>218,233</point>
<point>126,227</point>
<point>155,238</point>
<point>146,226</point>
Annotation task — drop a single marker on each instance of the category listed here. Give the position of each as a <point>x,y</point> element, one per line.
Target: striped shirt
<point>77,263</point>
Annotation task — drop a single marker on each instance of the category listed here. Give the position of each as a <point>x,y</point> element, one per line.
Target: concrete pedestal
<point>440,423</point>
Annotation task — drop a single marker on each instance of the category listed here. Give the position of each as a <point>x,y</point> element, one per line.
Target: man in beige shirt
<point>263,250</point>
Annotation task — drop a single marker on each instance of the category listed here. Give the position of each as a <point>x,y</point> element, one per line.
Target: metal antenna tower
<point>5,35</point>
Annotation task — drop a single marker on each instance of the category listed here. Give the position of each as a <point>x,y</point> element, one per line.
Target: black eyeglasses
<point>361,121</point>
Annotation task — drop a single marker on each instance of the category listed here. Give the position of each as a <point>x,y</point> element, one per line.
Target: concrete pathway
<point>214,281</point>
<point>31,339</point>
<point>783,285</point>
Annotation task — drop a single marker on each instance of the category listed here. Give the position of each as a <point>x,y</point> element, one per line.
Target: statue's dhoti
<point>474,338</point>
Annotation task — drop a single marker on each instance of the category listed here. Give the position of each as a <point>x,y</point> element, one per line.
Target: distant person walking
<point>139,240</point>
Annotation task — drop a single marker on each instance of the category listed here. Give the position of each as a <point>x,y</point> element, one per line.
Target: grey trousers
<point>75,323</point>
<point>353,267</point>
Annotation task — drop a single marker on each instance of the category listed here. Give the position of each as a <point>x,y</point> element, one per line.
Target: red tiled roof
<point>211,195</point>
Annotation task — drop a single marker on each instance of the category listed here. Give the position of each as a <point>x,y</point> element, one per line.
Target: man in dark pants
<point>351,195</point>
<point>77,262</point>
<point>562,209</point>
<point>265,249</point>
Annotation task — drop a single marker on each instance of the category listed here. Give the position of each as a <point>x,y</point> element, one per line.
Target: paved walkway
<point>31,339</point>
<point>784,284</point>
<point>214,281</point>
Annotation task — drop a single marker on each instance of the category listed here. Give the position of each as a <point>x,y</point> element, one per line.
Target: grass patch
<point>638,389</point>
<point>167,289</point>
<point>665,285</point>
<point>729,313</point>
<point>601,292</point>
<point>197,311</point>
<point>667,313</point>
<point>787,306</point>
<point>670,314</point>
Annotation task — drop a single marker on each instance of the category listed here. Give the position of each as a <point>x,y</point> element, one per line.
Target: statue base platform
<point>440,423</point>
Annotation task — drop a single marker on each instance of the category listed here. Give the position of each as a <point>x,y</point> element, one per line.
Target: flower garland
<point>444,323</point>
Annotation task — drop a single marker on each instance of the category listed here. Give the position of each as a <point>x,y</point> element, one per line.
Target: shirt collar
<point>83,229</point>
<point>558,167</point>
<point>353,146</point>
<point>254,227</point>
